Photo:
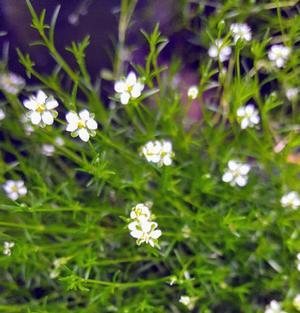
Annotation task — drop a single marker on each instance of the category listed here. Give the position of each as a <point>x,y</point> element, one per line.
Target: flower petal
<point>35,118</point>
<point>47,118</point>
<point>83,134</point>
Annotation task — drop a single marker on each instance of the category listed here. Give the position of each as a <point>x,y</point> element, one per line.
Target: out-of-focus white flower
<point>129,87</point>
<point>186,231</point>
<point>59,141</point>
<point>296,302</point>
<point>2,115</point>
<point>298,262</point>
<point>292,93</point>
<point>25,120</point>
<point>15,189</point>
<point>274,307</point>
<point>193,92</point>
<point>7,246</point>
<point>82,124</point>
<point>144,231</point>
<point>140,211</point>
<point>57,264</point>
<point>41,108</point>
<point>219,51</point>
<point>248,116</point>
<point>241,31</point>
<point>290,200</point>
<point>236,173</point>
<point>279,54</point>
<point>189,302</point>
<point>48,150</point>
<point>159,152</point>
<point>11,83</point>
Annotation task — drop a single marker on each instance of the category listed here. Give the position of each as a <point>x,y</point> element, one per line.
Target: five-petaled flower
<point>248,116</point>
<point>290,200</point>
<point>82,124</point>
<point>41,108</point>
<point>241,31</point>
<point>11,83</point>
<point>279,55</point>
<point>129,87</point>
<point>219,51</point>
<point>274,307</point>
<point>15,189</point>
<point>7,246</point>
<point>159,152</point>
<point>236,173</point>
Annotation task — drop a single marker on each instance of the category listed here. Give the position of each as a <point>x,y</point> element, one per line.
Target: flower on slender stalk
<point>274,307</point>
<point>193,92</point>
<point>248,116</point>
<point>15,189</point>
<point>129,88</point>
<point>159,152</point>
<point>292,93</point>
<point>189,302</point>
<point>7,246</point>
<point>2,115</point>
<point>241,31</point>
<point>290,200</point>
<point>279,54</point>
<point>48,150</point>
<point>41,108</point>
<point>219,51</point>
<point>296,302</point>
<point>11,83</point>
<point>82,124</point>
<point>236,173</point>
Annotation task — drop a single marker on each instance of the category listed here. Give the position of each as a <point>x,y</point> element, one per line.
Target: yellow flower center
<point>41,108</point>
<point>81,124</point>
<point>14,189</point>
<point>129,88</point>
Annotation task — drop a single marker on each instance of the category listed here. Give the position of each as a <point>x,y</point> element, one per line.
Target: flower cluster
<point>7,246</point>
<point>241,31</point>
<point>290,200</point>
<point>248,116</point>
<point>236,173</point>
<point>142,227</point>
<point>159,152</point>
<point>279,54</point>
<point>11,83</point>
<point>219,50</point>
<point>274,307</point>
<point>15,189</point>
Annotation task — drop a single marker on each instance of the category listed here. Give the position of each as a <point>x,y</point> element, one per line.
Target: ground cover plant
<point>165,195</point>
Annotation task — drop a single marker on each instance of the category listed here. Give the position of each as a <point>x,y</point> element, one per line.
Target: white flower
<point>42,109</point>
<point>298,262</point>
<point>296,302</point>
<point>189,302</point>
<point>27,125</point>
<point>11,83</point>
<point>248,116</point>
<point>186,231</point>
<point>159,152</point>
<point>57,264</point>
<point>193,92</point>
<point>59,141</point>
<point>2,115</point>
<point>237,173</point>
<point>144,231</point>
<point>292,93</point>
<point>278,54</point>
<point>48,150</point>
<point>241,31</point>
<point>290,200</point>
<point>82,124</point>
<point>140,211</point>
<point>129,87</point>
<point>15,189</point>
<point>219,51</point>
<point>274,307</point>
<point>7,247</point>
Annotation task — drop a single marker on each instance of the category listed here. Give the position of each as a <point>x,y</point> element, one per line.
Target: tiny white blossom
<point>41,109</point>
<point>298,262</point>
<point>15,189</point>
<point>11,83</point>
<point>129,87</point>
<point>186,231</point>
<point>279,54</point>
<point>48,150</point>
<point>159,152</point>
<point>140,211</point>
<point>219,51</point>
<point>193,92</point>
<point>59,141</point>
<point>27,125</point>
<point>274,307</point>
<point>189,302</point>
<point>236,173</point>
<point>2,115</point>
<point>57,265</point>
<point>82,124</point>
<point>241,31</point>
<point>248,116</point>
<point>296,302</point>
<point>292,93</point>
<point>290,200</point>
<point>7,247</point>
